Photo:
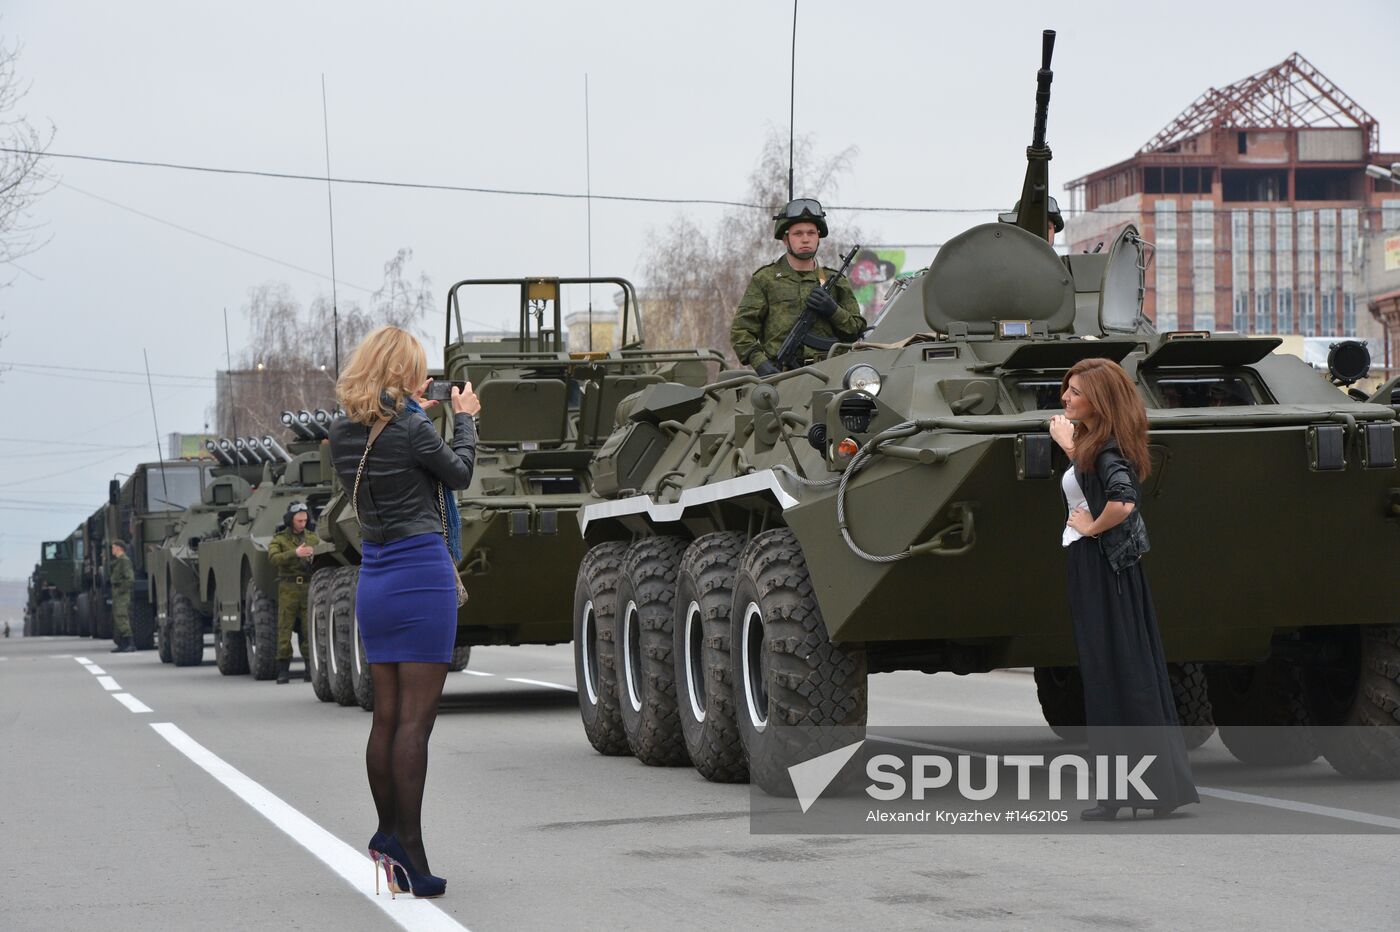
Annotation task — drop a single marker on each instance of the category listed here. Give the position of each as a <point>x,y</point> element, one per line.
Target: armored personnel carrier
<point>760,546</point>
<point>545,411</point>
<point>183,609</point>
<point>238,584</point>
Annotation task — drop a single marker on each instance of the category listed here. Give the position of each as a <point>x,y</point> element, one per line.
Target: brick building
<point>1257,200</point>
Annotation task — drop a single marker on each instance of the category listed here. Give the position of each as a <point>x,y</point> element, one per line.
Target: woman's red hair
<point>1120,415</point>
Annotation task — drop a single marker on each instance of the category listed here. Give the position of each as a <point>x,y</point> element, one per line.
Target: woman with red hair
<point>1128,700</point>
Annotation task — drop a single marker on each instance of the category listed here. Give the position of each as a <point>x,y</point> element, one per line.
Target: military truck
<point>60,579</point>
<point>760,546</point>
<point>238,584</point>
<point>545,411</point>
<point>142,510</point>
<point>91,602</point>
<point>184,613</point>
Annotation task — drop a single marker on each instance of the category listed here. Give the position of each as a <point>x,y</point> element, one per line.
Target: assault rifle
<point>790,356</point>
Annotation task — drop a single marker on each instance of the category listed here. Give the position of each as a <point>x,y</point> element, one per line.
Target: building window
<point>1164,220</point>
<point>1325,184</point>
<point>1327,269</point>
<point>1307,281</point>
<point>1202,266</point>
<point>1239,270</point>
<point>1390,213</point>
<point>1253,184</point>
<point>1283,256</point>
<point>1351,268</point>
<point>1263,271</point>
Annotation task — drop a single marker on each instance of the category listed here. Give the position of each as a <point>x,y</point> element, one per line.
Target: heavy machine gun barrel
<point>1033,210</point>
<point>1043,77</point>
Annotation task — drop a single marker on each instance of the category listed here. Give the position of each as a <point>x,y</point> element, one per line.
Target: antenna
<point>588,199</point>
<point>330,210</point>
<point>165,489</point>
<point>228,362</point>
<point>792,95</point>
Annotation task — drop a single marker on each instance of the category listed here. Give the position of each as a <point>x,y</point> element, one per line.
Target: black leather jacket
<point>399,489</point>
<point>1115,480</point>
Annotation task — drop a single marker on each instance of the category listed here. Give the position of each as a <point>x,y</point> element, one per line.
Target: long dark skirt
<point>1128,702</point>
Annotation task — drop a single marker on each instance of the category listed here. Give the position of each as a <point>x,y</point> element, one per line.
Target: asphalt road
<point>167,798</point>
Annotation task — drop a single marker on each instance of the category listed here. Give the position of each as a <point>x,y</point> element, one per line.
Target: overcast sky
<point>936,97</point>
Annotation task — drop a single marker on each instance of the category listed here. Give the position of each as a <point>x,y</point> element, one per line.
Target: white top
<point>1075,496</point>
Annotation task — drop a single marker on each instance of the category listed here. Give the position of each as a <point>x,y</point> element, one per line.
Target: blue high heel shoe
<point>376,853</point>
<point>397,864</point>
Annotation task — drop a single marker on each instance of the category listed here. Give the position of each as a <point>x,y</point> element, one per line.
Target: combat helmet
<point>798,210</point>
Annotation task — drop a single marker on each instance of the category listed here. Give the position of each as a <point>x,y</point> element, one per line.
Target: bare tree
<point>695,278</point>
<point>23,176</point>
<point>289,363</point>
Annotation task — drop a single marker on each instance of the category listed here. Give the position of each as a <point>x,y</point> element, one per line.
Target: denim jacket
<point>1115,480</point>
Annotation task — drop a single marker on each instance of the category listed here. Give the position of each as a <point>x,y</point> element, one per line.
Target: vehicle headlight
<point>862,377</point>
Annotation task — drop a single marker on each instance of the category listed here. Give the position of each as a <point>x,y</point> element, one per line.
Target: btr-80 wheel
<point>186,629</point>
<point>260,632</point>
<point>704,688</point>
<point>1353,696</point>
<point>642,641</point>
<point>595,664</point>
<point>341,625</point>
<point>318,610</point>
<point>1061,694</point>
<point>799,694</point>
<point>1261,714</point>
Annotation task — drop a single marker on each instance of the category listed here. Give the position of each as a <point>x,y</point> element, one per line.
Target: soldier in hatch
<point>779,292</point>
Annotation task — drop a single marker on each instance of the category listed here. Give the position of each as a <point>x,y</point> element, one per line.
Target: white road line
<point>94,669</point>
<point>82,660</point>
<point>59,656</point>
<point>131,702</point>
<point>518,679</point>
<point>108,683</point>
<point>348,862</point>
<point>477,673</point>
<point>1331,812</point>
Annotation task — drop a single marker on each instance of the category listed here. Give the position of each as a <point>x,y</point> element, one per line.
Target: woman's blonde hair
<point>387,367</point>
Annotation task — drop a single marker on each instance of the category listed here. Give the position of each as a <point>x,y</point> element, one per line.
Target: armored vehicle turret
<point>760,546</point>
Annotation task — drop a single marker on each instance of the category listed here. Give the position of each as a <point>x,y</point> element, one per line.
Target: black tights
<point>405,706</point>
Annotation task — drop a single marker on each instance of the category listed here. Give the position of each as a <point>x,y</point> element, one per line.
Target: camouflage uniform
<point>293,582</point>
<point>772,304</point>
<point>122,576</point>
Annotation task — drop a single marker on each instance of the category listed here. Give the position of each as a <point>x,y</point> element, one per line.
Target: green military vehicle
<point>183,613</point>
<point>545,411</point>
<point>59,576</point>
<point>91,603</point>
<point>142,510</point>
<point>238,585</point>
<point>760,546</point>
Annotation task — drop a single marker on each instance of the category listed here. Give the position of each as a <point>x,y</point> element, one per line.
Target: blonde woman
<point>401,473</point>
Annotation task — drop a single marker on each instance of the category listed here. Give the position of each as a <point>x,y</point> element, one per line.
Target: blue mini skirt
<point>406,601</point>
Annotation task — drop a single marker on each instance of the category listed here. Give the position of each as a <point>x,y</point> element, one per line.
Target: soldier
<point>290,552</point>
<point>779,292</point>
<point>121,576</point>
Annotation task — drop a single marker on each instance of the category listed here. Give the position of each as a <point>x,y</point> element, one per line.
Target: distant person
<point>780,291</point>
<point>122,577</point>
<point>290,552</point>
<point>7,629</point>
<point>1128,701</point>
<point>401,475</point>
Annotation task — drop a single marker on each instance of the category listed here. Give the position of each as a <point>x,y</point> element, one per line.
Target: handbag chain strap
<point>374,433</point>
